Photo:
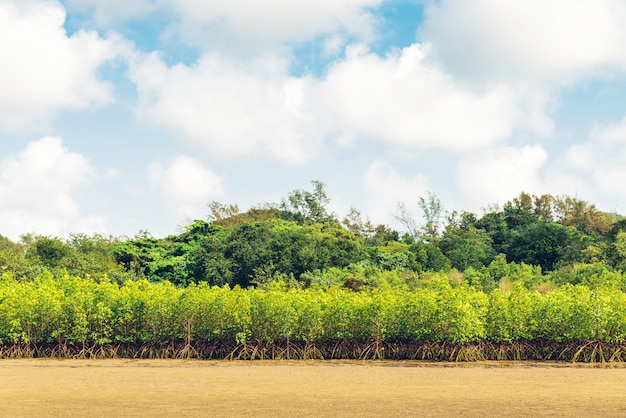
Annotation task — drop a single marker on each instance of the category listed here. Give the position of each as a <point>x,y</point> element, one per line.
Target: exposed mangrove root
<point>444,351</point>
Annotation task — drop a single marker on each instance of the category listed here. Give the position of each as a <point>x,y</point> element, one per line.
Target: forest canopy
<point>300,243</point>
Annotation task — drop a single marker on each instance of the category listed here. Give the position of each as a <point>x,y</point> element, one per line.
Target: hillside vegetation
<point>541,277</point>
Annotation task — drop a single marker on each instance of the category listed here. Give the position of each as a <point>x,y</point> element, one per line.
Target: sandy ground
<point>164,388</point>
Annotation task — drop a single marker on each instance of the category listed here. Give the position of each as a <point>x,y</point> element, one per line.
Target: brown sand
<point>164,388</point>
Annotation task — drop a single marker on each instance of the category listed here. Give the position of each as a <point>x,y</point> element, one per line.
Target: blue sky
<point>118,116</point>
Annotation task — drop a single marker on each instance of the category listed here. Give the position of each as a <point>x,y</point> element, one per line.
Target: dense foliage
<point>300,242</point>
<point>72,312</point>
<point>291,275</point>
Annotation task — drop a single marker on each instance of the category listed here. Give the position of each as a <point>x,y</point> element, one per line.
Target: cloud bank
<point>45,71</point>
<point>185,185</point>
<point>37,191</point>
<point>558,41</point>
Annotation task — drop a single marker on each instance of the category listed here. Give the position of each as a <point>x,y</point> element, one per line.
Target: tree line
<point>538,240</point>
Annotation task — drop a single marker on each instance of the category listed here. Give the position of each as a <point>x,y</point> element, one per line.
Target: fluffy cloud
<point>252,23</point>
<point>185,185</point>
<point>385,187</point>
<point>243,24</point>
<point>541,40</point>
<point>403,99</point>
<point>230,108</point>
<point>36,191</point>
<point>43,70</point>
<point>112,12</point>
<point>499,174</point>
<point>600,160</point>
<point>592,170</point>
<point>406,99</point>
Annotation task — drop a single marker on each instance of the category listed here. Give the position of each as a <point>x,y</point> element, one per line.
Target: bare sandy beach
<point>158,388</point>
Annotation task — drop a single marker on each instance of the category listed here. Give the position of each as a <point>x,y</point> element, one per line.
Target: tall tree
<point>545,244</point>
<point>407,220</point>
<point>432,211</point>
<point>355,223</point>
<point>223,213</point>
<point>308,207</point>
<point>582,215</point>
<point>524,201</point>
<point>467,247</point>
<point>543,207</point>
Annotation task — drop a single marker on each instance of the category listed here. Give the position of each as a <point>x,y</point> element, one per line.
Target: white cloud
<point>499,174</point>
<point>254,24</point>
<point>231,108</point>
<point>333,45</point>
<point>242,24</point>
<point>112,12</point>
<point>36,191</point>
<point>385,187</point>
<point>599,162</point>
<point>185,184</point>
<point>43,70</point>
<point>110,173</point>
<point>255,107</point>
<point>405,99</point>
<point>540,40</point>
<point>592,170</point>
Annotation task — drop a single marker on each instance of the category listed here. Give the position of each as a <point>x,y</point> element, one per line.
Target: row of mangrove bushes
<point>71,311</point>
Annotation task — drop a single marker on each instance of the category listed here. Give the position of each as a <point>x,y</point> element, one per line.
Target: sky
<point>120,116</point>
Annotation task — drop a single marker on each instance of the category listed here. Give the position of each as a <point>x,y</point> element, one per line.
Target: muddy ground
<point>178,388</point>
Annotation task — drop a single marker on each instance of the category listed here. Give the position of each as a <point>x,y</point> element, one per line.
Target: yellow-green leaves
<point>73,311</point>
